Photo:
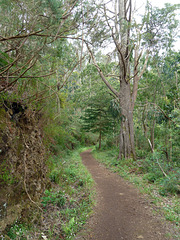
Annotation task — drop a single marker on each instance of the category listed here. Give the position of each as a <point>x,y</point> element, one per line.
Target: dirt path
<point>121,212</point>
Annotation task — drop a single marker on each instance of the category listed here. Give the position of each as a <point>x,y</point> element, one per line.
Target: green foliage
<point>167,184</point>
<point>56,8</point>
<point>55,175</point>
<point>97,118</point>
<point>66,205</point>
<point>158,119</point>
<point>159,33</point>
<point>153,176</point>
<point>4,59</point>
<point>68,227</point>
<point>109,158</point>
<point>101,113</point>
<point>156,116</point>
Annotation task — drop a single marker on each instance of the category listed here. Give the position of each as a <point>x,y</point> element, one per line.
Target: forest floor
<point>121,211</point>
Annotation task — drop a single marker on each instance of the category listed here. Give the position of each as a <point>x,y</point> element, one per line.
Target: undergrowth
<point>66,204</point>
<point>148,177</point>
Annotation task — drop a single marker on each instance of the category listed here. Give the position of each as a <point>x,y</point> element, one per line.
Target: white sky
<point>156,3</point>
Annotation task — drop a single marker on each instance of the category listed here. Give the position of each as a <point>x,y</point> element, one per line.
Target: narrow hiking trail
<point>121,211</point>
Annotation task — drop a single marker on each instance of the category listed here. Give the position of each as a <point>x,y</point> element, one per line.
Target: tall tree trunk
<point>126,146</point>
<point>144,121</point>
<point>100,137</point>
<point>170,143</point>
<point>152,132</point>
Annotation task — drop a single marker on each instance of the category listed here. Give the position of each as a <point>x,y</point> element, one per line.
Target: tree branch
<point>13,82</point>
<point>2,39</point>
<point>116,44</point>
<point>41,76</point>
<point>101,73</point>
<point>136,76</point>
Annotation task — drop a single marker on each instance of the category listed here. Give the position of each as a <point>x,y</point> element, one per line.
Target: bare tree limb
<point>145,65</point>
<point>13,82</point>
<point>101,73</point>
<point>2,39</point>
<point>116,43</point>
<point>41,76</point>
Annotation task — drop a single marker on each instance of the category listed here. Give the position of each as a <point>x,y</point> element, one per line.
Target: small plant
<point>5,176</point>
<point>68,227</point>
<point>17,231</point>
<point>55,198</point>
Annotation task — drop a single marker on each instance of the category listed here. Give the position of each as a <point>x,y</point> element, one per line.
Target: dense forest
<point>77,74</point>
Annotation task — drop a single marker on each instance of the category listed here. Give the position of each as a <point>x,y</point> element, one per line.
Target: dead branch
<point>11,64</point>
<point>13,82</point>
<point>158,160</point>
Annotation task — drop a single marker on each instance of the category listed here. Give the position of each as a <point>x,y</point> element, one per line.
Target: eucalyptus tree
<point>119,24</point>
<point>132,43</point>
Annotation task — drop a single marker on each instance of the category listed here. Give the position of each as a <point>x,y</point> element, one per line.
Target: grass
<point>169,203</point>
<point>66,204</point>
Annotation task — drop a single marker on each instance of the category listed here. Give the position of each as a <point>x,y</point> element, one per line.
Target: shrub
<point>171,184</point>
<point>153,176</point>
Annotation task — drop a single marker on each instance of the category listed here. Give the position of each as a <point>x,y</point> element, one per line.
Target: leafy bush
<point>153,176</point>
<point>171,184</point>
<point>141,153</point>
